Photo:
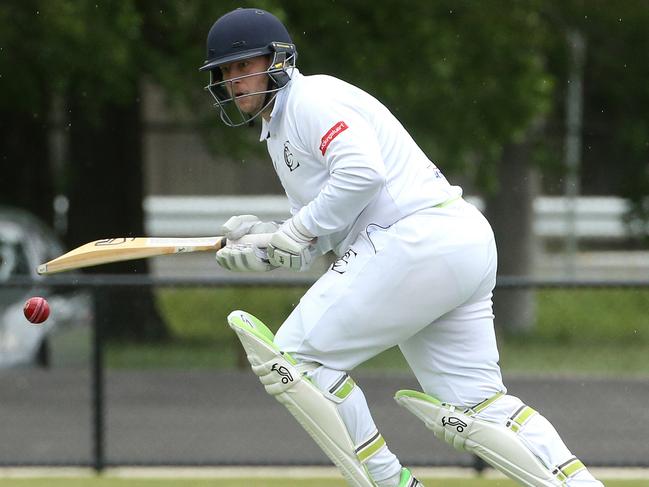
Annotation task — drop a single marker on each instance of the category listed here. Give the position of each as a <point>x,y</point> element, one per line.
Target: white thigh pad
<point>495,443</point>
<point>285,379</point>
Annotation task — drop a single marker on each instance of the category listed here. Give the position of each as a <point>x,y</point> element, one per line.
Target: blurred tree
<point>615,157</point>
<point>105,181</point>
<point>26,174</point>
<point>479,85</point>
<point>85,53</point>
<point>464,78</point>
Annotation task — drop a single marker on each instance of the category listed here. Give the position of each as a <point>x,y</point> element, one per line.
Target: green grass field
<point>254,482</point>
<point>586,331</point>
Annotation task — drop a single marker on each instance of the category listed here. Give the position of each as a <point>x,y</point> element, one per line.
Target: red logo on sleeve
<point>331,134</point>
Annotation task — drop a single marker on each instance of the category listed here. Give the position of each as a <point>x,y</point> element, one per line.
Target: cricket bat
<point>110,250</point>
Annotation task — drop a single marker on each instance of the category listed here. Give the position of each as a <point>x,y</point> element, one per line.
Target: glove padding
<point>245,257</point>
<point>291,246</point>
<point>238,226</point>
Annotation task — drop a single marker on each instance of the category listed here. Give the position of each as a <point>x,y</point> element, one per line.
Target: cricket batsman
<point>416,268</point>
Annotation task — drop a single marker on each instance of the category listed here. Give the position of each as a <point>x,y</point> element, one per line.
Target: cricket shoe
<point>408,479</point>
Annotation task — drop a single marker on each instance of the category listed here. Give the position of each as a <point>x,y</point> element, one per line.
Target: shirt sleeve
<point>346,144</point>
<point>293,206</point>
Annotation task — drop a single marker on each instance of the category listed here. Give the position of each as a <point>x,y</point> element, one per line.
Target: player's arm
<point>347,146</point>
<point>348,149</point>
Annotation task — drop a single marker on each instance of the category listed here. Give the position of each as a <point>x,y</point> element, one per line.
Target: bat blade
<point>127,248</point>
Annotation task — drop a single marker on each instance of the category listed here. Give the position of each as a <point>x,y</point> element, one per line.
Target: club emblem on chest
<point>289,158</point>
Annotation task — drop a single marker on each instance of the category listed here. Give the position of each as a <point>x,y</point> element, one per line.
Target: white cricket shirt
<point>346,162</point>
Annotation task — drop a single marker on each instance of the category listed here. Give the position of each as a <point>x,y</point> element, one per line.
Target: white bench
<point>596,217</point>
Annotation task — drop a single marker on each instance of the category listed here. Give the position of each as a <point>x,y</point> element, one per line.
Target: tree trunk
<point>26,176</point>
<point>510,212</point>
<point>106,190</point>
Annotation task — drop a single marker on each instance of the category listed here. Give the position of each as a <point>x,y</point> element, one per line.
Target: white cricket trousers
<point>424,284</point>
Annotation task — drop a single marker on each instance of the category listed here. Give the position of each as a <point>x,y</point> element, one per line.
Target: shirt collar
<point>278,106</point>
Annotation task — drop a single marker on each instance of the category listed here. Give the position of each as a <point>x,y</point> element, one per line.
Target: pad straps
<point>473,410</point>
<point>343,387</point>
<point>370,447</point>
<point>568,469</point>
<point>520,417</point>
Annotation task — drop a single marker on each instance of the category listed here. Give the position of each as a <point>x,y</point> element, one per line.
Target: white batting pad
<point>316,414</point>
<point>496,444</point>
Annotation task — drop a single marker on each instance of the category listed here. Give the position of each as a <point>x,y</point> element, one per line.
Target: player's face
<point>250,84</point>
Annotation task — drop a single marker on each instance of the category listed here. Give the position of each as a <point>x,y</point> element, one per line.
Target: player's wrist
<point>295,229</point>
<point>291,246</point>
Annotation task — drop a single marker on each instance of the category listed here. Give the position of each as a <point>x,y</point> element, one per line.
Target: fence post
<point>97,396</point>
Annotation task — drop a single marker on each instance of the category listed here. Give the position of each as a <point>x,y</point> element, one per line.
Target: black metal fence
<point>89,415</point>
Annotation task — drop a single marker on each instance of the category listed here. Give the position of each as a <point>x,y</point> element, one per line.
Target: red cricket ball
<point>36,309</point>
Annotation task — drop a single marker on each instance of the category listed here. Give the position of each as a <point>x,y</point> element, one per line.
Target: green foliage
<point>601,359</point>
<point>463,78</point>
<point>616,96</point>
<point>604,331</point>
<point>202,313</point>
<point>565,316</point>
<point>46,45</point>
<point>593,316</point>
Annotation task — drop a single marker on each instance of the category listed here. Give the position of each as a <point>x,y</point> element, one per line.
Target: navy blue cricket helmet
<point>242,34</point>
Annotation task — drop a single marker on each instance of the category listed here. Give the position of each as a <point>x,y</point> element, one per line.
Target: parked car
<point>26,242</point>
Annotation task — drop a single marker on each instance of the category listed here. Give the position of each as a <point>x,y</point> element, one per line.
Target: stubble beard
<point>251,104</point>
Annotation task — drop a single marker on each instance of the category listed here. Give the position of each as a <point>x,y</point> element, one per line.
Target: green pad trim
<point>343,387</point>
<point>520,417</point>
<point>572,468</point>
<point>484,404</point>
<point>417,395</point>
<point>569,469</point>
<point>408,480</point>
<point>254,326</point>
<point>368,449</point>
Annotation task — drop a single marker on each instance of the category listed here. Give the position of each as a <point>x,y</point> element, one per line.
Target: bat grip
<point>222,243</point>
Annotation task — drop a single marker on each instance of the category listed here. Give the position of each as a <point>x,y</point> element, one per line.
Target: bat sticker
<point>113,241</point>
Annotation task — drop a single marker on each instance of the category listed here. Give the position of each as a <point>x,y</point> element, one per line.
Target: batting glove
<point>245,257</point>
<point>291,246</point>
<point>238,226</point>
